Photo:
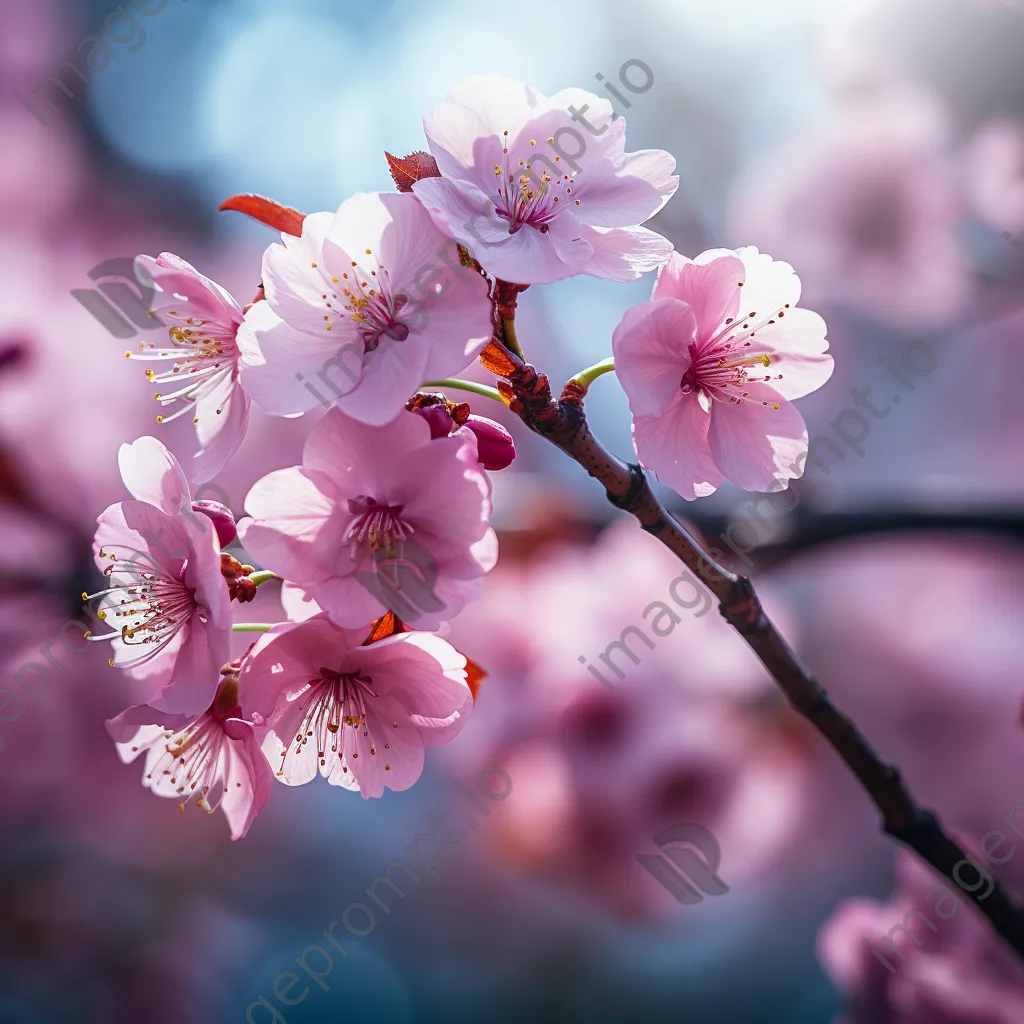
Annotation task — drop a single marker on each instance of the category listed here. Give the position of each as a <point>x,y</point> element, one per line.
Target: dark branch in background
<point>564,424</point>
<point>807,529</point>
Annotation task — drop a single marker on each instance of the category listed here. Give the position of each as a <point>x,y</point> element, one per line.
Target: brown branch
<point>564,424</point>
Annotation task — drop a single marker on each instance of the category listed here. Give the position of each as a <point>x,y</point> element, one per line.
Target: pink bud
<point>223,520</point>
<point>494,444</point>
<point>441,423</point>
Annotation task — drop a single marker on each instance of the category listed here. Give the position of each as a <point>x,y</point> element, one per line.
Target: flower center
<point>335,699</point>
<point>376,525</point>
<point>366,300</point>
<point>154,606</point>
<point>523,198</point>
<point>722,366</point>
<point>204,353</point>
<point>191,762</point>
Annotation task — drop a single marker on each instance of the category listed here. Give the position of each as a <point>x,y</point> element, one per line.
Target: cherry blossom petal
<point>623,254</point>
<point>769,286</point>
<point>757,445</point>
<point>650,345</point>
<point>675,446</point>
<point>249,778</point>
<point>712,288</point>
<point>152,474</point>
<point>297,603</point>
<point>223,419</point>
<point>288,372</point>
<point>291,530</point>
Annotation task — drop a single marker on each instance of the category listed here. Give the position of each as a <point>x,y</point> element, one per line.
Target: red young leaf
<point>496,359</point>
<point>266,211</point>
<point>409,169</point>
<point>475,675</point>
<point>388,624</point>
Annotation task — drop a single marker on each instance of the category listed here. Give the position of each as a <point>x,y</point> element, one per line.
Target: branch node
<point>742,608</point>
<point>573,394</point>
<point>637,486</point>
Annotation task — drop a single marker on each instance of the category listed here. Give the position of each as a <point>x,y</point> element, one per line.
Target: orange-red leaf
<point>497,360</point>
<point>387,625</point>
<point>475,675</point>
<point>266,211</point>
<point>407,170</point>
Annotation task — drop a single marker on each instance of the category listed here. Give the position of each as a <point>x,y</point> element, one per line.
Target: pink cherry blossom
<point>377,518</point>
<point>203,321</point>
<point>359,715</point>
<point>709,366</point>
<point>361,309</point>
<point>540,189</point>
<point>214,758</point>
<point>167,600</point>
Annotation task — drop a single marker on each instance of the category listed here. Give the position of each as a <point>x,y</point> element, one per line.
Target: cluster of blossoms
<point>382,534</point>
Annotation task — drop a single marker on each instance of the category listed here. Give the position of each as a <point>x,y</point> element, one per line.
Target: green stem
<point>587,377</point>
<point>263,575</point>
<point>252,627</point>
<point>464,385</point>
<point>508,330</point>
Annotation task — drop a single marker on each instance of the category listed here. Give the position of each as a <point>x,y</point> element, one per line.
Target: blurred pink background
<point>879,147</point>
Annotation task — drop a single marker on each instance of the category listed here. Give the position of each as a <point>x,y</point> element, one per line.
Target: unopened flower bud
<point>441,423</point>
<point>494,445</point>
<point>220,515</point>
